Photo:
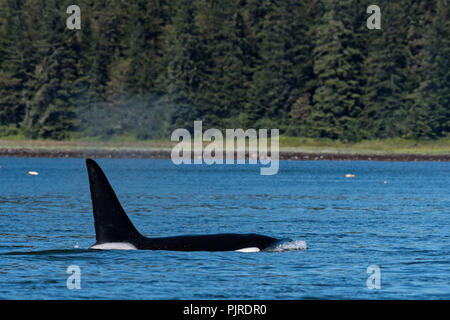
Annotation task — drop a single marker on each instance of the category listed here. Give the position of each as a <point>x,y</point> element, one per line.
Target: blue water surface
<point>391,215</point>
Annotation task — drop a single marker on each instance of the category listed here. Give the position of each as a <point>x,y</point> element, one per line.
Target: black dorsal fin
<point>111,222</point>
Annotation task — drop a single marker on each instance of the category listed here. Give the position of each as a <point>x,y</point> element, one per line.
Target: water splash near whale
<point>288,245</point>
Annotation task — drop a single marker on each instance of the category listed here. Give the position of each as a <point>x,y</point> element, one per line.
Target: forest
<point>310,68</point>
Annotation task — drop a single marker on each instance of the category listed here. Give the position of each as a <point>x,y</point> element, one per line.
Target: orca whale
<point>114,230</point>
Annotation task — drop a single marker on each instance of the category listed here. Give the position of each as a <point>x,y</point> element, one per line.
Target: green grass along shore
<point>287,144</point>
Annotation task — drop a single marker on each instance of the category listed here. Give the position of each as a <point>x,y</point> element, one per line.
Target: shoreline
<point>166,154</point>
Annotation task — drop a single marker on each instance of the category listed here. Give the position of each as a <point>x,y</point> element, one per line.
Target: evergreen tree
<point>222,33</point>
<point>11,110</point>
<point>185,66</point>
<point>386,69</point>
<point>49,110</point>
<point>337,65</point>
<point>145,47</point>
<point>279,79</point>
<point>16,62</point>
<point>436,91</point>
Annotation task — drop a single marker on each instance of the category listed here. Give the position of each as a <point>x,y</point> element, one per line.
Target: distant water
<point>392,215</point>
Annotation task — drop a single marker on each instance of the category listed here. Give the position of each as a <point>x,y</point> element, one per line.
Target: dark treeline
<point>144,67</point>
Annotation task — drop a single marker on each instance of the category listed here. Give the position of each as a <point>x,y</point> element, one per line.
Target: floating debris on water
<point>33,173</point>
<point>349,175</point>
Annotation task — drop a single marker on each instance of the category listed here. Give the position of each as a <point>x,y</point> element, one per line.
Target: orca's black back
<point>212,242</point>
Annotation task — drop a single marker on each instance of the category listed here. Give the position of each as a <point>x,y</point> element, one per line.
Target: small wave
<point>288,245</point>
<point>46,252</point>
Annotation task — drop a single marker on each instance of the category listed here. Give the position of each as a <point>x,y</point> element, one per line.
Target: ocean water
<point>391,216</point>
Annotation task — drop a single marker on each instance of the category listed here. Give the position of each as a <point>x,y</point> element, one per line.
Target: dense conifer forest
<point>311,68</point>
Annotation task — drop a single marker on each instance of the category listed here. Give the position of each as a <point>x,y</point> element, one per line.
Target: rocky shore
<point>165,154</point>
